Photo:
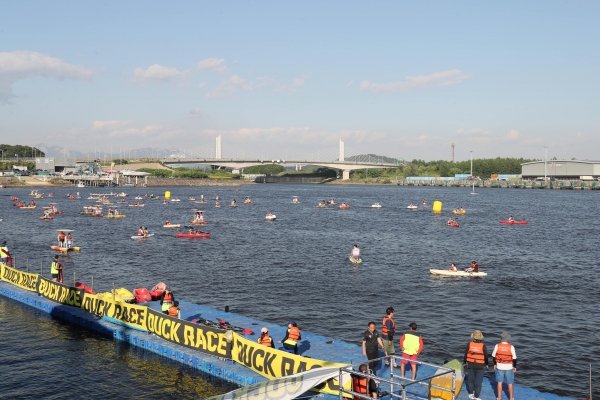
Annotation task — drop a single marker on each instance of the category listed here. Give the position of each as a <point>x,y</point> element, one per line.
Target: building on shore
<point>561,169</point>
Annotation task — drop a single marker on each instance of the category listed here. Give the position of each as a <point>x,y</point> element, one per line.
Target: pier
<point>517,184</point>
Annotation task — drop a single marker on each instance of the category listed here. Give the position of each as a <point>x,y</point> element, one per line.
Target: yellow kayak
<point>115,216</point>
<point>446,381</point>
<point>463,212</point>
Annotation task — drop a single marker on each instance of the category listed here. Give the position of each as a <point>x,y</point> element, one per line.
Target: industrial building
<point>561,169</point>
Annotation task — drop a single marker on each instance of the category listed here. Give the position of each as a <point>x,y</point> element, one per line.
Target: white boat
<point>80,184</point>
<point>412,207</point>
<point>172,226</point>
<point>175,199</point>
<point>295,200</point>
<point>376,205</point>
<point>446,272</point>
<point>142,236</point>
<point>271,217</point>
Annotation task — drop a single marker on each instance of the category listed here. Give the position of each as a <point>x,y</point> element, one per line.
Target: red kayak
<point>344,207</point>
<point>507,222</point>
<point>46,218</point>
<point>454,225</point>
<point>193,235</point>
<point>80,285</point>
<point>142,295</point>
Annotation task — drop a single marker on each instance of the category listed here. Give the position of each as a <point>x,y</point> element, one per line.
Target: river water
<point>542,285</point>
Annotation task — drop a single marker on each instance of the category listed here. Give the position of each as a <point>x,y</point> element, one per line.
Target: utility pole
<point>545,162</point>
<point>471,162</point>
<point>452,153</point>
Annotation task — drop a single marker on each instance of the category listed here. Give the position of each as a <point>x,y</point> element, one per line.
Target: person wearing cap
<point>4,254</point>
<point>412,345</point>
<point>292,337</point>
<point>476,358</point>
<point>370,340</point>
<point>265,339</point>
<point>505,364</point>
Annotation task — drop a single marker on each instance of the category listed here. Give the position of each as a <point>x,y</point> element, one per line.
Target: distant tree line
<point>21,151</point>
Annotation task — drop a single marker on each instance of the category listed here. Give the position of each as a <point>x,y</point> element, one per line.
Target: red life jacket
<point>265,340</point>
<point>61,236</point>
<point>504,353</point>
<point>384,329</point>
<point>360,385</point>
<point>174,311</point>
<point>140,232</point>
<point>168,298</point>
<point>294,333</point>
<point>475,353</point>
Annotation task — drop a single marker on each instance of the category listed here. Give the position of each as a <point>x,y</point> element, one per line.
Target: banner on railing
<point>112,309</point>
<point>195,336</point>
<point>24,280</point>
<point>59,293</point>
<point>273,363</point>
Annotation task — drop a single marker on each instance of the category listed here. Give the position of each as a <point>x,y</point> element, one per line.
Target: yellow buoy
<point>167,195</point>
<point>437,206</point>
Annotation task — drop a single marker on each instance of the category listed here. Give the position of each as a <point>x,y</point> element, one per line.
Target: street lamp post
<point>471,163</point>
<point>545,162</point>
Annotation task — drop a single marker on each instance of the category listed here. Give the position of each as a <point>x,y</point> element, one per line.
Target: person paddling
<point>453,268</point>
<point>473,268</point>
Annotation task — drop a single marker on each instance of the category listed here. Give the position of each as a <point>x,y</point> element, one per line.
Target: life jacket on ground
<point>360,385</point>
<point>504,353</point>
<point>384,329</point>
<point>265,340</point>
<point>293,335</point>
<point>174,311</point>
<point>475,353</point>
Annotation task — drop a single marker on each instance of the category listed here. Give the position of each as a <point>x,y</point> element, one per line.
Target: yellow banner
<point>273,363</point>
<point>115,310</point>
<point>24,280</point>
<point>59,293</point>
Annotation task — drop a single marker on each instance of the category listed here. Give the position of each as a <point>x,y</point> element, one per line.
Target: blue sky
<point>403,79</point>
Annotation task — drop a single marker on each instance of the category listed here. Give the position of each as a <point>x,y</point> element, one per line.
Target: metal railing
<point>397,380</point>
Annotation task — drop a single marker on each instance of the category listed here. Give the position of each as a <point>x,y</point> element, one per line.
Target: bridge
<point>237,159</point>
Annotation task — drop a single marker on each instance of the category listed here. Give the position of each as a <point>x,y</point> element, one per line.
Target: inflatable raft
<point>46,218</point>
<point>65,249</point>
<point>355,260</point>
<point>172,226</point>
<point>115,216</point>
<point>193,235</point>
<point>507,222</point>
<point>445,272</point>
<point>344,206</point>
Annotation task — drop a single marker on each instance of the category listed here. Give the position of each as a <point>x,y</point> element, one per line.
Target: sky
<point>403,79</point>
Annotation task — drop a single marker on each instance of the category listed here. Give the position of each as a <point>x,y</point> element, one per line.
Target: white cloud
<point>513,134</point>
<point>196,113</point>
<point>349,83</point>
<point>443,78</point>
<point>157,73</point>
<point>227,86</point>
<point>19,65</point>
<point>212,64</point>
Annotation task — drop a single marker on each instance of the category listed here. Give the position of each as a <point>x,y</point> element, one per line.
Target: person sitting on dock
<point>292,337</point>
<point>265,339</point>
<point>364,385</point>
<point>453,268</point>
<point>473,268</point>
<point>355,252</point>
<point>166,301</point>
<point>174,310</point>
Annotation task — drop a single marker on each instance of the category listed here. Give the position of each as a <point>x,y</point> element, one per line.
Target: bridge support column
<point>345,174</point>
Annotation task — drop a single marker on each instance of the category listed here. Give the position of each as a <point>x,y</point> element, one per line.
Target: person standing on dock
<point>505,364</point>
<point>476,358</point>
<point>412,345</point>
<point>388,330</point>
<point>4,254</point>
<point>292,337</point>
<point>56,269</point>
<point>265,339</point>
<point>370,340</point>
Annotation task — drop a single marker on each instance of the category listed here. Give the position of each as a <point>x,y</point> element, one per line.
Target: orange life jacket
<point>384,329</point>
<point>360,385</point>
<point>294,334</point>
<point>69,237</point>
<point>174,311</point>
<point>168,298</point>
<point>504,353</point>
<point>265,340</point>
<point>475,353</point>
<point>140,232</point>
<point>61,236</point>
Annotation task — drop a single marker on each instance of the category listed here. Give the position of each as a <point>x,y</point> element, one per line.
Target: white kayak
<point>412,207</point>
<point>446,272</point>
<point>270,217</point>
<point>142,237</point>
<point>376,205</point>
<point>355,260</point>
<point>172,226</point>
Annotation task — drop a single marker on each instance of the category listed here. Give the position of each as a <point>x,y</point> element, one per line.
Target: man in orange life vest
<point>363,385</point>
<point>476,358</point>
<point>292,337</point>
<point>411,344</point>
<point>505,364</point>
<point>388,330</point>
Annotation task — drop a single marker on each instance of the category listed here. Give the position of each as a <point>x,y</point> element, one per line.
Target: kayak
<point>507,222</point>
<point>248,202</point>
<point>55,212</point>
<point>124,294</point>
<point>198,222</point>
<point>445,381</point>
<point>141,295</point>
<point>27,207</point>
<point>463,212</point>
<point>322,206</point>
<point>355,260</point>
<point>454,225</point>
<point>233,205</point>
<point>172,226</point>
<point>200,201</point>
<point>46,218</point>
<point>376,206</point>
<point>142,236</point>
<point>65,249</point>
<point>136,205</point>
<point>344,206</point>
<point>115,216</point>
<point>193,235</point>
<point>412,207</point>
<point>97,215</point>
<point>86,288</point>
<point>445,272</point>
<point>271,217</point>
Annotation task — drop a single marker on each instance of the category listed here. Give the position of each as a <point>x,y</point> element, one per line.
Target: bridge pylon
<point>218,148</point>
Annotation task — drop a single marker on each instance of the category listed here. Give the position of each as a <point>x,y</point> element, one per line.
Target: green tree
<point>272,169</point>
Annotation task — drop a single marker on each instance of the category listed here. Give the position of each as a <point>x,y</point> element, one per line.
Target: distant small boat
<point>80,184</point>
